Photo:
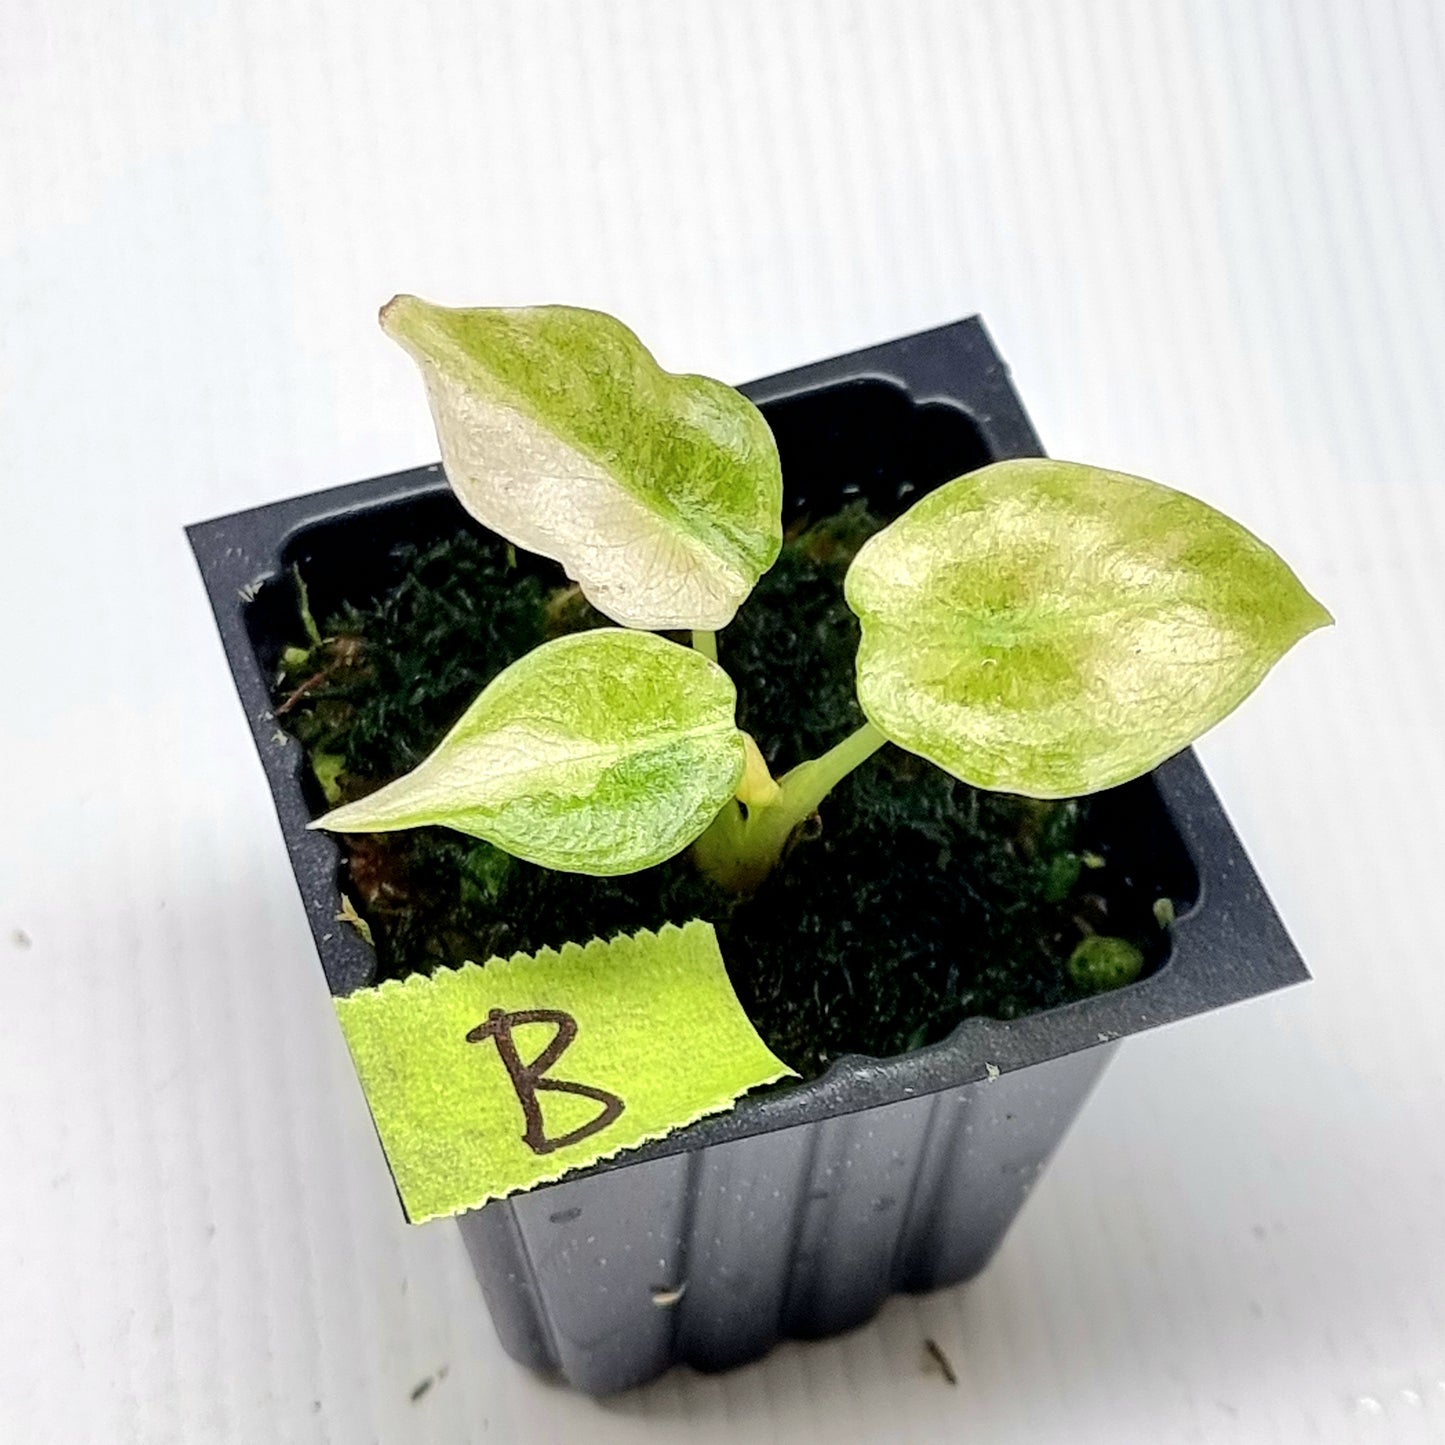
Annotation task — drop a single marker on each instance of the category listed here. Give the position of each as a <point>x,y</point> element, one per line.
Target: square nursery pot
<point>798,1213</point>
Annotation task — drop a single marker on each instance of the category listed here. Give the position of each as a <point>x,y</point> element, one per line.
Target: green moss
<point>912,902</point>
<point>1100,963</point>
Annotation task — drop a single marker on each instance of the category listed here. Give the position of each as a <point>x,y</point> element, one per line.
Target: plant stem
<point>303,600</point>
<point>743,845</point>
<point>705,643</point>
<point>809,783</point>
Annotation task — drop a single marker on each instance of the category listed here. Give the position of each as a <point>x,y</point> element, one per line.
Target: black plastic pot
<point>798,1213</point>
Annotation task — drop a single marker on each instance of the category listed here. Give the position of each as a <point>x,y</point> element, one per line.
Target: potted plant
<point>943,897</point>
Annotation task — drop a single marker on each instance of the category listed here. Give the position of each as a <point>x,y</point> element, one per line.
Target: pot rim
<point>1229,946</point>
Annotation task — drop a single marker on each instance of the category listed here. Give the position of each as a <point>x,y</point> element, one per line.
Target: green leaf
<point>661,495</point>
<point>603,752</point>
<point>1051,629</point>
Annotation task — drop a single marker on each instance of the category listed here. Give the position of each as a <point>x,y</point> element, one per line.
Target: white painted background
<point>1208,237</point>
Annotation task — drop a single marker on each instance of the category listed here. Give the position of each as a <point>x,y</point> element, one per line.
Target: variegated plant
<point>1034,627</point>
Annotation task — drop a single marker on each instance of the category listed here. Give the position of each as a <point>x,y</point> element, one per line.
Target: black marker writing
<point>529,1079</point>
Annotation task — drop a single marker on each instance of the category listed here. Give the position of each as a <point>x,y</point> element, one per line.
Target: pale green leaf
<point>661,495</point>
<point>601,752</point>
<point>1051,629</point>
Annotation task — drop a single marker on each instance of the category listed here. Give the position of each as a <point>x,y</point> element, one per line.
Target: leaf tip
<point>395,309</point>
<point>1317,615</point>
<point>344,819</point>
<point>1305,615</point>
<point>404,319</point>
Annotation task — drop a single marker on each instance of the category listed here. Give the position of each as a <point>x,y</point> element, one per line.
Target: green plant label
<point>601,752</point>
<point>486,1081</point>
<point>660,494</point>
<point>1051,629</point>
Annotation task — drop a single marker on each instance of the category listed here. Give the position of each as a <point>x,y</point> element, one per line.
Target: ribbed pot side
<point>710,1258</point>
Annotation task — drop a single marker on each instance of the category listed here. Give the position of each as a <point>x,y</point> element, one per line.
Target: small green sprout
<point>1035,627</point>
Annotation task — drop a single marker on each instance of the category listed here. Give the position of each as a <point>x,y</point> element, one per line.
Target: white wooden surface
<point>1208,237</point>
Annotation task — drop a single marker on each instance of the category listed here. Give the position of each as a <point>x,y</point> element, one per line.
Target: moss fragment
<point>1100,963</point>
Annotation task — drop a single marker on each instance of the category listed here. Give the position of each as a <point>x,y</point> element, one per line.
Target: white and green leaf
<point>661,495</point>
<point>602,752</point>
<point>1051,629</point>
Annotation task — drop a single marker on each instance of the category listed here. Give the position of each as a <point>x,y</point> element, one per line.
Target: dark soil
<point>911,902</point>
